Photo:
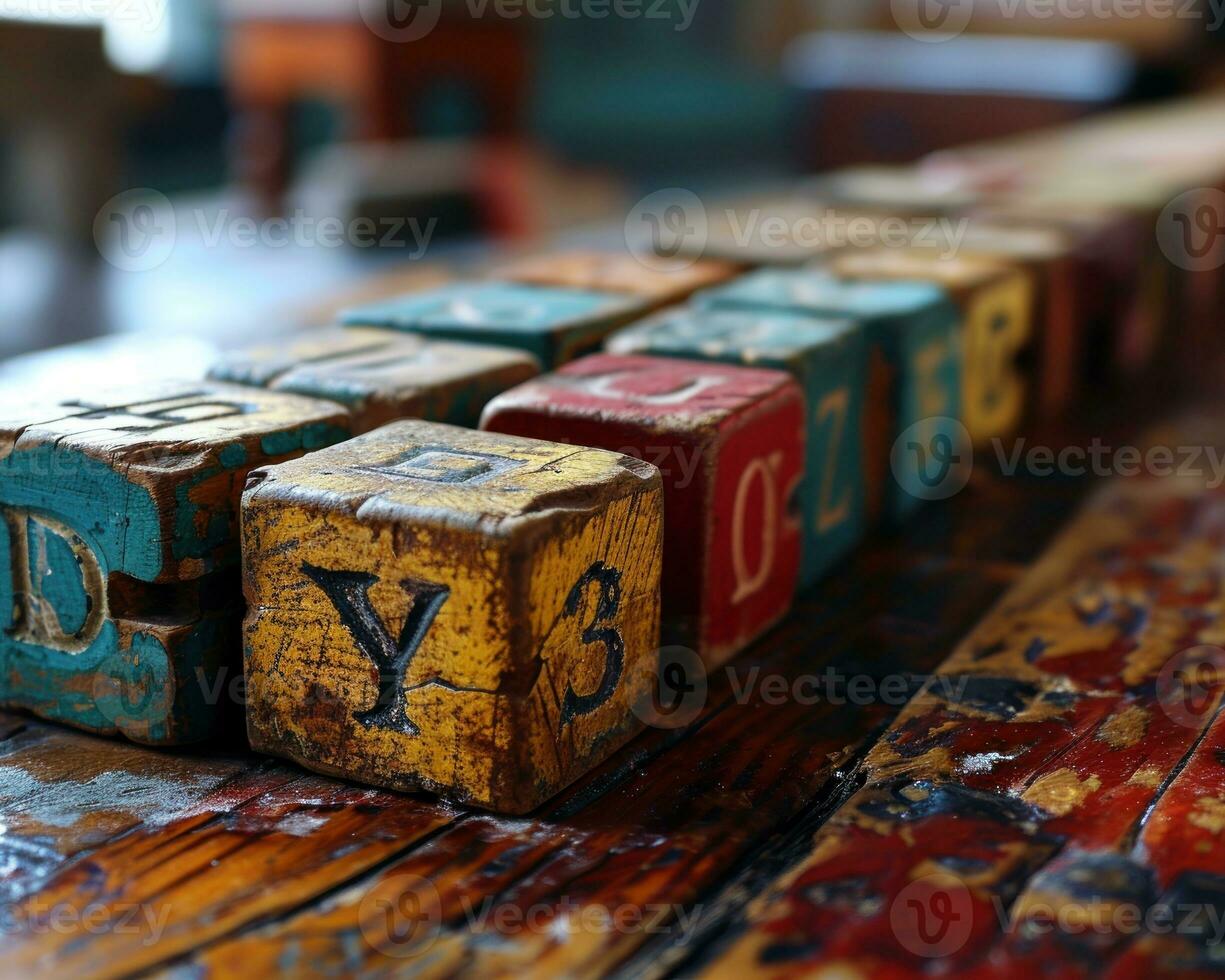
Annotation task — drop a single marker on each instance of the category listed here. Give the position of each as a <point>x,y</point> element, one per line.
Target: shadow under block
<point>432,608</point>
<point>729,443</point>
<point>382,375</point>
<point>120,529</point>
<point>553,324</point>
<point>914,385</point>
<point>996,300</point>
<point>829,359</point>
<point>619,272</point>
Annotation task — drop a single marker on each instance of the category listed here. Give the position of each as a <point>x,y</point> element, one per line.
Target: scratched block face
<point>432,608</point>
<point>829,359</point>
<point>381,375</point>
<point>553,324</point>
<point>120,529</point>
<point>997,307</point>
<point>619,272</point>
<point>914,385</point>
<point>729,442</point>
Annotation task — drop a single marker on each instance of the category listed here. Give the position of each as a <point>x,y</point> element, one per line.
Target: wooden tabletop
<point>806,817</point>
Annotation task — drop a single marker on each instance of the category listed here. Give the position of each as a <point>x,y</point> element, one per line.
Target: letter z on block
<point>469,614</point>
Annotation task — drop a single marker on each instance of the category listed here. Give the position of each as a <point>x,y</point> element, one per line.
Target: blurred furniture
<point>278,53</point>
<point>59,105</point>
<point>884,97</point>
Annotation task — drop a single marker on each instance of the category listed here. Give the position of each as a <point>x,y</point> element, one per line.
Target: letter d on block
<point>59,588</point>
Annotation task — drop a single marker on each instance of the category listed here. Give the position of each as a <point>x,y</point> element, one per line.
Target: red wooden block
<point>729,442</point>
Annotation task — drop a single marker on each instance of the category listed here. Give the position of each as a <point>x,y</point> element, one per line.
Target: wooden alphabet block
<point>829,358</point>
<point>120,529</point>
<point>619,272</point>
<point>553,324</point>
<point>382,375</point>
<point>1120,284</point>
<point>432,608</point>
<point>996,301</point>
<point>1062,303</point>
<point>729,442</point>
<point>914,385</point>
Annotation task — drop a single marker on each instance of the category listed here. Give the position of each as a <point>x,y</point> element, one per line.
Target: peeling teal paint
<point>233,456</point>
<point>901,318</point>
<point>552,323</point>
<point>826,356</point>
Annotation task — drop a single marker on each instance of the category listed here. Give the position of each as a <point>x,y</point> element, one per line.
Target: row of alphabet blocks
<point>425,601</point>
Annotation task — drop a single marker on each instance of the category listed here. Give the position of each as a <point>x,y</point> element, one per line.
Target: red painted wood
<point>729,442</point>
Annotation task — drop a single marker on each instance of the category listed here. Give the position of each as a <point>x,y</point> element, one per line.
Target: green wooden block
<point>829,358</point>
<point>914,393</point>
<point>119,549</point>
<point>555,325</point>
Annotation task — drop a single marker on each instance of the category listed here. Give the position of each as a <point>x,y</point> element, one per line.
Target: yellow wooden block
<point>467,613</point>
<point>382,375</point>
<point>996,300</point>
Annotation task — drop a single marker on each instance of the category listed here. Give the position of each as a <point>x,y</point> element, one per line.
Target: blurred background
<point>299,148</point>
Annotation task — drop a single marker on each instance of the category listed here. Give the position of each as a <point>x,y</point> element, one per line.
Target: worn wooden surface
<point>119,548</point>
<point>730,444</point>
<point>381,375</point>
<point>465,612</point>
<point>218,866</point>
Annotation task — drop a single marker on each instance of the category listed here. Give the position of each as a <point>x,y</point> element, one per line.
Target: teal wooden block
<point>119,514</point>
<point>829,357</point>
<point>554,324</point>
<point>914,400</point>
